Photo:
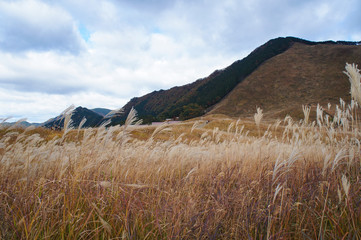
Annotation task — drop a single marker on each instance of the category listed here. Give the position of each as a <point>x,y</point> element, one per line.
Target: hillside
<point>159,104</point>
<point>93,119</point>
<point>287,67</point>
<point>304,74</point>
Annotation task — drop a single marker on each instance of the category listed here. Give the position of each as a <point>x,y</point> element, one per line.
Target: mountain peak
<point>93,119</point>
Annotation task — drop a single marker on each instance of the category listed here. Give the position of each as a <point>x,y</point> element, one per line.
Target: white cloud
<point>115,68</point>
<point>32,25</point>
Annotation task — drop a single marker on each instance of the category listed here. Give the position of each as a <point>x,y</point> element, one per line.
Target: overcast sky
<point>101,53</point>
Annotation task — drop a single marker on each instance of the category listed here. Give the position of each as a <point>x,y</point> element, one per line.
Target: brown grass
<point>201,184</point>
<point>208,178</point>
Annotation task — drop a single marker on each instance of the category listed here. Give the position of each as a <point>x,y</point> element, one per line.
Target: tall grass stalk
<point>257,118</point>
<point>354,77</point>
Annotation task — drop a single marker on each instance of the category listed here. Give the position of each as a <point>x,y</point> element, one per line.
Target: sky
<point>102,53</point>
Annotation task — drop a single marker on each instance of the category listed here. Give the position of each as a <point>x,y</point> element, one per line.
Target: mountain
<point>101,111</point>
<point>282,72</point>
<point>306,73</point>
<point>93,119</point>
<point>21,124</point>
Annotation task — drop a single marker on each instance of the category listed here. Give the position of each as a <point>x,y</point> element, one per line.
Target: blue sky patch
<point>84,32</point>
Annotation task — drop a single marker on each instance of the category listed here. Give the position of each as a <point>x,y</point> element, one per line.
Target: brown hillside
<point>304,74</point>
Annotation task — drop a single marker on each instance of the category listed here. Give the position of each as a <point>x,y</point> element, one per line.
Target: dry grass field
<point>207,178</point>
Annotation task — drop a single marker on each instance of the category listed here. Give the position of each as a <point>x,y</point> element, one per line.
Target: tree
<point>191,110</point>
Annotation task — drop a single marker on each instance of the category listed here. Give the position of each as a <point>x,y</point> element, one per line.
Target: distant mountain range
<point>22,124</point>
<point>94,118</point>
<point>278,76</point>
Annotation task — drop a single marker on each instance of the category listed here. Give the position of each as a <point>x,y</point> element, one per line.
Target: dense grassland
<point>210,178</point>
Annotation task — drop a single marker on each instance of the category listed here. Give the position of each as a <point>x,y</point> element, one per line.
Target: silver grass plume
<point>198,124</point>
<point>81,124</point>
<point>319,112</point>
<point>67,111</point>
<point>161,128</point>
<point>132,119</point>
<point>306,112</point>
<point>345,185</point>
<point>354,76</point>
<point>66,115</point>
<point>257,118</point>
<point>68,121</point>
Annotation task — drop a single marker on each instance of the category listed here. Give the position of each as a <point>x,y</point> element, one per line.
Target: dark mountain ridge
<point>21,124</point>
<point>199,97</point>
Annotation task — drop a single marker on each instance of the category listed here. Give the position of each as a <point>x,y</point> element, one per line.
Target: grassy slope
<point>304,74</point>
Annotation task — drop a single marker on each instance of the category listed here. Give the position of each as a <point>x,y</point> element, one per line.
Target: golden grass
<point>192,181</point>
<point>208,178</point>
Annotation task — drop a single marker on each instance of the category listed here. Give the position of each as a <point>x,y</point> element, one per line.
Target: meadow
<point>207,178</point>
